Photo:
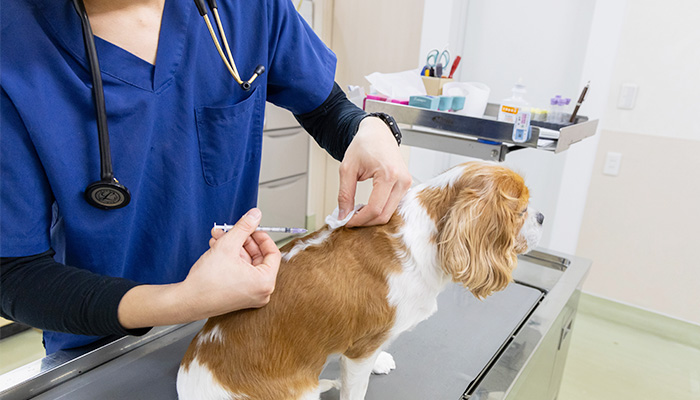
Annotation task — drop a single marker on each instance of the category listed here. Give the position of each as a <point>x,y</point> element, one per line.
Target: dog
<point>351,291</point>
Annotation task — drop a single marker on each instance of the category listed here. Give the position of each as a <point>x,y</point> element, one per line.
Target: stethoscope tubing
<point>108,193</point>
<point>106,172</point>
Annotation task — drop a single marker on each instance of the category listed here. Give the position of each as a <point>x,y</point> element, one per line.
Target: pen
<point>280,229</point>
<point>455,64</point>
<point>578,103</point>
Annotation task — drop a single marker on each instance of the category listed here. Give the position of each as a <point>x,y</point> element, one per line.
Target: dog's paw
<point>384,364</point>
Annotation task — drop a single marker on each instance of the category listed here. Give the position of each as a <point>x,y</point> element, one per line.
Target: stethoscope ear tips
<point>259,70</point>
<point>107,194</point>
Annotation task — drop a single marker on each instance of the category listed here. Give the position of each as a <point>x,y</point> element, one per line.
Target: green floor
<point>607,360</point>
<point>20,349</point>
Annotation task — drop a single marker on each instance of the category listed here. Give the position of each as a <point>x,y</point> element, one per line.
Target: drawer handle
<point>282,183</point>
<point>282,133</point>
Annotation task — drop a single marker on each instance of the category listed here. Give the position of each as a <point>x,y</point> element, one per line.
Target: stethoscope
<point>108,193</point>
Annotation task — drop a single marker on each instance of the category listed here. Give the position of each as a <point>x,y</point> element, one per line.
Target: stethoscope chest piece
<point>107,195</point>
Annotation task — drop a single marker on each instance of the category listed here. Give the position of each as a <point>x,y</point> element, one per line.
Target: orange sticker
<point>509,110</point>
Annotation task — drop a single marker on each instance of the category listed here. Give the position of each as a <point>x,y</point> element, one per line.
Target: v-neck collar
<point>117,62</point>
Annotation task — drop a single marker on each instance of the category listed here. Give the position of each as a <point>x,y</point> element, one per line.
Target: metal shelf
<point>485,138</point>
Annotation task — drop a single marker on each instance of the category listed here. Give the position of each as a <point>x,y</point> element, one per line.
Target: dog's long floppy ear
<point>476,239</point>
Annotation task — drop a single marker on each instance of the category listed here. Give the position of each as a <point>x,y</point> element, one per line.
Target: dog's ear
<point>476,238</point>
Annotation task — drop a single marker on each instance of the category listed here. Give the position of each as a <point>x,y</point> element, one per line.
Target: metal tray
<point>485,138</point>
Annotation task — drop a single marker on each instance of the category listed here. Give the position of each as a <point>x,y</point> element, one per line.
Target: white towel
<point>333,221</point>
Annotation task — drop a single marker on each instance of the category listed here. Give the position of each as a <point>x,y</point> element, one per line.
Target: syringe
<point>279,229</point>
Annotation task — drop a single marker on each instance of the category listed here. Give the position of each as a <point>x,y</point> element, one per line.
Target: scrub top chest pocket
<point>230,138</point>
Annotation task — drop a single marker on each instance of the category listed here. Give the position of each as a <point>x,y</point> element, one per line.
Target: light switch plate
<point>628,96</point>
<point>612,163</point>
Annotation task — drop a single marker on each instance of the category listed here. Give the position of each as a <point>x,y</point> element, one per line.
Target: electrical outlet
<point>612,163</point>
<point>628,96</point>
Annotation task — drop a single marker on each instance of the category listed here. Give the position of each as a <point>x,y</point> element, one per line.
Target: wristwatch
<point>391,123</point>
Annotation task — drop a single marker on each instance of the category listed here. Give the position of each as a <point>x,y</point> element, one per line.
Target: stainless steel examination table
<point>510,346</point>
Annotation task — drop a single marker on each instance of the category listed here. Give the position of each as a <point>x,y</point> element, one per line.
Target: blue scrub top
<point>185,138</point>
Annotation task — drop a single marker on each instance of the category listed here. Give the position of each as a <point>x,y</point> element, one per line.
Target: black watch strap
<point>391,123</point>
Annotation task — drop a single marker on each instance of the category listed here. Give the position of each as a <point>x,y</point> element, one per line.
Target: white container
<point>476,96</point>
<point>511,106</point>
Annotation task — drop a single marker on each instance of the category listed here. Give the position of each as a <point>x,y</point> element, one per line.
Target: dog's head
<point>483,223</point>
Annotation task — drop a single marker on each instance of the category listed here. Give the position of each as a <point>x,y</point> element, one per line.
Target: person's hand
<point>238,271</point>
<point>373,153</point>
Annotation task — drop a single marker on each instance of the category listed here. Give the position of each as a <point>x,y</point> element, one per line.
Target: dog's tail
<point>325,385</point>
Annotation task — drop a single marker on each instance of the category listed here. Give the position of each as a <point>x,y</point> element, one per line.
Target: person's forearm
<point>334,123</point>
<point>155,305</point>
<point>40,292</point>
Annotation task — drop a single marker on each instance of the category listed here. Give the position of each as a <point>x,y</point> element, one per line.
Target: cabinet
<point>282,192</point>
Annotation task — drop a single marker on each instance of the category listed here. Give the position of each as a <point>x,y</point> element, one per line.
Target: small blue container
<point>445,103</point>
<point>457,103</point>
<point>429,102</point>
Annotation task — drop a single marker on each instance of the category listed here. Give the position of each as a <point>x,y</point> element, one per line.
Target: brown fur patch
<point>329,298</point>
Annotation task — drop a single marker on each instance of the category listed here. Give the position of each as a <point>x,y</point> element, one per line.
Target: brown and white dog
<point>352,291</point>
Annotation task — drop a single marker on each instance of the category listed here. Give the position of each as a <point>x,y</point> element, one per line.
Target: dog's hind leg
<point>354,376</point>
<point>325,385</point>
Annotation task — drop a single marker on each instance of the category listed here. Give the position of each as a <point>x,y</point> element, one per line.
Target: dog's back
<point>330,298</point>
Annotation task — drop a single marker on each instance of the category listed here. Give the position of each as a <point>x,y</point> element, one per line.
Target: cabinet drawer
<point>278,118</point>
<point>285,153</point>
<point>283,203</point>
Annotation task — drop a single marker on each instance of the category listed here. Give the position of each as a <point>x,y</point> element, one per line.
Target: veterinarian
<point>185,141</point>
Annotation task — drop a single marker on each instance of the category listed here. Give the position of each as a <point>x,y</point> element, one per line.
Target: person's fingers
<point>269,251</point>
<point>245,256</point>
<point>376,204</point>
<point>398,191</point>
<point>242,230</point>
<point>253,249</point>
<point>217,233</point>
<point>346,191</point>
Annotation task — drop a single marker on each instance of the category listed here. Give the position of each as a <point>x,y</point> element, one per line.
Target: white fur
<point>354,376</point>
<point>302,245</point>
<point>385,363</point>
<point>333,223</point>
<point>212,335</point>
<point>414,290</point>
<point>198,383</point>
<point>531,230</point>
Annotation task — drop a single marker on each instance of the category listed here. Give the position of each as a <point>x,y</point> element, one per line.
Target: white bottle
<point>511,106</point>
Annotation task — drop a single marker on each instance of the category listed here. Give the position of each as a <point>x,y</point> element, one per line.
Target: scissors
<point>434,62</point>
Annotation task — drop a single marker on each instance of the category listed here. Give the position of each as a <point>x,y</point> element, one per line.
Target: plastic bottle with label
<point>511,106</point>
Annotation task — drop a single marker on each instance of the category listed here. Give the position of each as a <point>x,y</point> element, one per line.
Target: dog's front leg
<point>354,376</point>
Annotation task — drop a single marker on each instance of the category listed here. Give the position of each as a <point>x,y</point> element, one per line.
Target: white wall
<point>640,227</point>
<point>546,43</point>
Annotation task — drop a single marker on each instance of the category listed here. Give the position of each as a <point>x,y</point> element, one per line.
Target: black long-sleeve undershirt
<point>334,123</point>
<point>40,292</point>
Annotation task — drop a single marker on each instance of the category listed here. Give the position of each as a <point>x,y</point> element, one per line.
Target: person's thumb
<point>245,227</point>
